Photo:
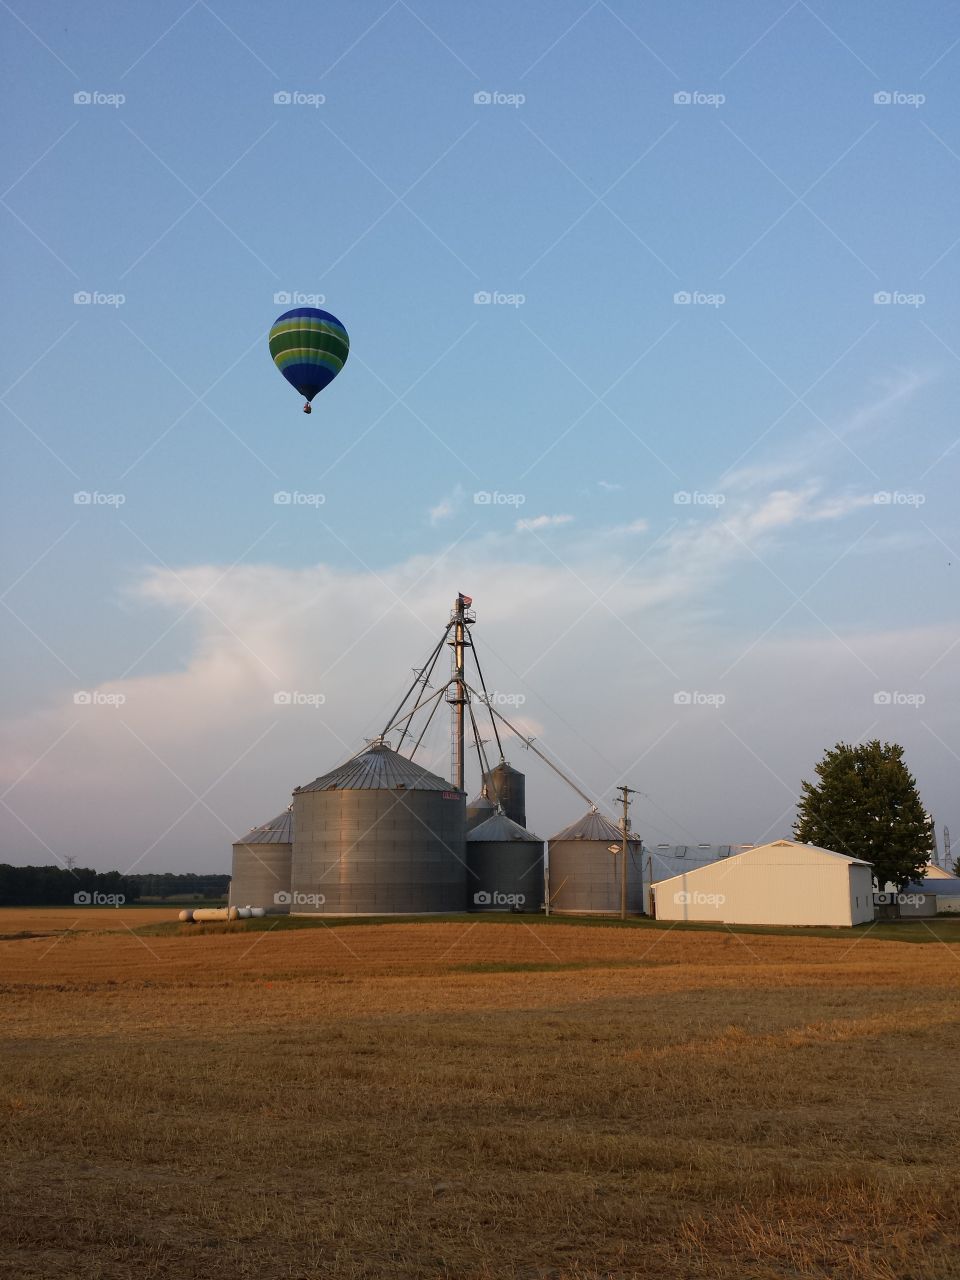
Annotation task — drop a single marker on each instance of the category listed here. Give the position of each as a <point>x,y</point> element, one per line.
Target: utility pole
<point>625,794</point>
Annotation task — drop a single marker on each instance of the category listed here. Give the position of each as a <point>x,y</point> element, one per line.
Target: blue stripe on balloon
<point>309,379</point>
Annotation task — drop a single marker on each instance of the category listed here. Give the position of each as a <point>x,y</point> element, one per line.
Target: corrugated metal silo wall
<point>585,877</point>
<point>509,786</point>
<point>498,870</point>
<point>260,872</point>
<point>378,852</point>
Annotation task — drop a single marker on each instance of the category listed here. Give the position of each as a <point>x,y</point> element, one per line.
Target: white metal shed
<point>783,882</point>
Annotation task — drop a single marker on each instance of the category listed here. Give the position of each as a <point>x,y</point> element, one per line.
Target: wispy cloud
<point>635,526</point>
<point>811,450</point>
<point>541,522</point>
<point>446,507</point>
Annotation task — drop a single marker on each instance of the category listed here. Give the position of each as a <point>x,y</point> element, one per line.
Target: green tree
<point>866,805</point>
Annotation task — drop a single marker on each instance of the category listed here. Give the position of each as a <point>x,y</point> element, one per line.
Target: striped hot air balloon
<point>309,347</point>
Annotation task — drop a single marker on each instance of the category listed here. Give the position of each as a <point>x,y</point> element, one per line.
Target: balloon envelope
<point>309,347</point>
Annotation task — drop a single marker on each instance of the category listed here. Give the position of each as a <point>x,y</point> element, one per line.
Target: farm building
<point>946,891</point>
<point>930,896</point>
<point>664,861</point>
<point>932,872</point>
<point>783,882</point>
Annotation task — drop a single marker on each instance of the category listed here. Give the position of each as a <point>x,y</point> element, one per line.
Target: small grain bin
<point>261,866</point>
<point>504,867</point>
<point>380,835</point>
<point>507,787</point>
<point>585,875</point>
<point>479,809</point>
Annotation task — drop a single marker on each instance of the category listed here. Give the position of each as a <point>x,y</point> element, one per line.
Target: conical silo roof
<point>278,830</point>
<point>500,827</point>
<point>592,826</point>
<point>378,768</point>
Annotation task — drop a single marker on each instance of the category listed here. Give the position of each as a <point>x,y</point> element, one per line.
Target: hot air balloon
<point>309,347</point>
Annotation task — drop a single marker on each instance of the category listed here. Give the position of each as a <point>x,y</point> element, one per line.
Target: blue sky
<point>783,198</point>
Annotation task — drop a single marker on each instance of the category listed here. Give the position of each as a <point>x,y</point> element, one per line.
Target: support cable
<point>528,742</point>
<point>486,697</point>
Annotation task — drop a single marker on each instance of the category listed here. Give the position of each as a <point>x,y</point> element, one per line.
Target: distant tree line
<point>166,884</point>
<point>58,886</point>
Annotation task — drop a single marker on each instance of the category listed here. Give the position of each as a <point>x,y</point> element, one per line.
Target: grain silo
<point>507,787</point>
<point>585,875</point>
<point>479,809</point>
<point>380,835</point>
<point>504,867</point>
<point>261,866</point>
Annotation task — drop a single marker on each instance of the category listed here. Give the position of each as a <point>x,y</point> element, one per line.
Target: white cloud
<point>446,507</point>
<point>635,526</point>
<point>541,522</point>
<point>814,447</point>
<point>598,648</point>
<point>609,486</point>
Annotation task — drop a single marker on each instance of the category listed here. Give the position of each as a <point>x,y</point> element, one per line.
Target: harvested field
<point>479,1100</point>
<point>49,921</point>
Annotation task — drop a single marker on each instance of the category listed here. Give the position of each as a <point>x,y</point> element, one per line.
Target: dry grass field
<point>53,920</point>
<point>478,1101</point>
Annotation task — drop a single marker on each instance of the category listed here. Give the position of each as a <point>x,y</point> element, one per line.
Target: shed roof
<point>942,886</point>
<point>806,853</point>
<point>669,860</point>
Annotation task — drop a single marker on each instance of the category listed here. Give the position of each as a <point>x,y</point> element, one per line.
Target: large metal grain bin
<point>504,867</point>
<point>507,787</point>
<point>261,866</point>
<point>380,835</point>
<point>479,809</point>
<point>585,875</point>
